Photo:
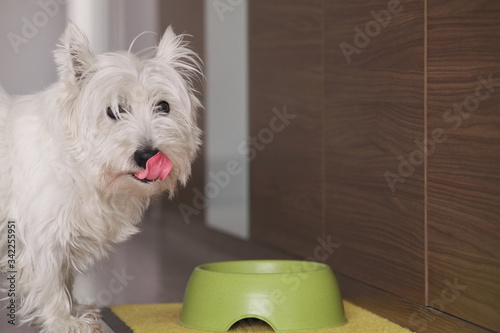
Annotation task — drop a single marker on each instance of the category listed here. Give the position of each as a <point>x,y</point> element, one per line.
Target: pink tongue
<point>157,166</point>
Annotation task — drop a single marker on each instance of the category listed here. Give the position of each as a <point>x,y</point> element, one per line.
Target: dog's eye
<point>162,107</point>
<point>111,114</point>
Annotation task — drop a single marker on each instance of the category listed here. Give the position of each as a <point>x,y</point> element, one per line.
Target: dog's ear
<point>175,51</point>
<point>168,44</point>
<point>73,55</point>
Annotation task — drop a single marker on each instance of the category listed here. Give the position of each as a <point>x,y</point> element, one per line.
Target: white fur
<point>66,167</point>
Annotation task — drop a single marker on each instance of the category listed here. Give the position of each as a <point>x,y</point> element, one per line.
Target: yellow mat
<point>159,318</point>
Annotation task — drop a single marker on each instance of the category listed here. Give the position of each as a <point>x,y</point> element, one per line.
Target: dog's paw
<point>85,310</point>
<point>85,327</point>
<point>73,325</point>
<point>80,326</point>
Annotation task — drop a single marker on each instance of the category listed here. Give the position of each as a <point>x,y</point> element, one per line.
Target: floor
<point>155,265</point>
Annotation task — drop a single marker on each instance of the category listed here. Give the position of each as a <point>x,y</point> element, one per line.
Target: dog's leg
<point>46,299</point>
<point>77,309</point>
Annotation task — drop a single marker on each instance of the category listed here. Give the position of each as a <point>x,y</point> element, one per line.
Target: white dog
<point>79,163</point>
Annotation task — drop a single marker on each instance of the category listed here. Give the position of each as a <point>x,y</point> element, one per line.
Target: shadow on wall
<point>30,30</point>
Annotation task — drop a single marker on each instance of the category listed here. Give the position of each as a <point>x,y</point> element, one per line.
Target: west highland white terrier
<point>79,163</point>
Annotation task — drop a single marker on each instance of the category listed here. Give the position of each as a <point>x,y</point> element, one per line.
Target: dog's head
<point>130,119</point>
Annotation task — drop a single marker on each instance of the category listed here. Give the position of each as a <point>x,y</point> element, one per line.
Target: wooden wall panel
<point>464,170</point>
<point>374,112</point>
<point>285,42</point>
<point>430,241</point>
<point>414,316</point>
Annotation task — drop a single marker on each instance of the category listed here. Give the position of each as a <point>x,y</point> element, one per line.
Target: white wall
<point>92,17</point>
<point>226,116</point>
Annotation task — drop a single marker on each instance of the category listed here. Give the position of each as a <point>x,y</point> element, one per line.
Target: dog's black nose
<point>141,156</point>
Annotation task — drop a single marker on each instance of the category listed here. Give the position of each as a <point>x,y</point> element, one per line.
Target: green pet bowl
<point>287,295</point>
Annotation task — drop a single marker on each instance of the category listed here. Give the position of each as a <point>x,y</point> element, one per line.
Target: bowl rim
<point>290,267</point>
